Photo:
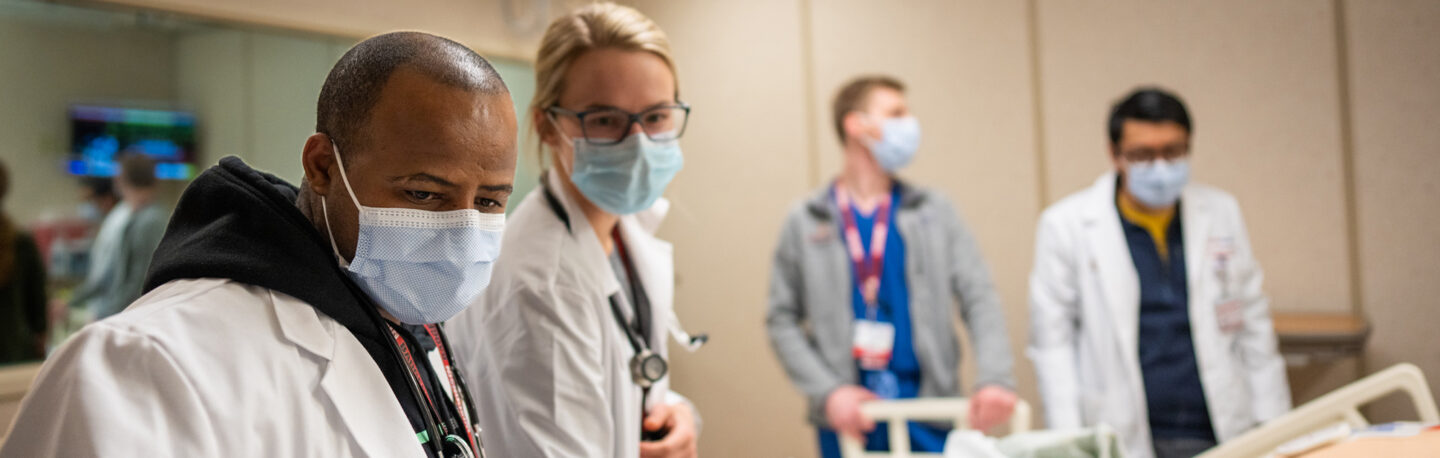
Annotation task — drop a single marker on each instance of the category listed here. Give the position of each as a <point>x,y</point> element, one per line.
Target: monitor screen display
<point>100,135</point>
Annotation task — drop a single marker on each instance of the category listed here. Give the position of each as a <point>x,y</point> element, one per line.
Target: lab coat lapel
<point>1195,222</point>
<point>592,255</point>
<point>357,390</point>
<point>365,403</point>
<point>1114,269</point>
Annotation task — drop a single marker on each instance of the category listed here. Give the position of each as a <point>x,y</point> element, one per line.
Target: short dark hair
<point>354,85</point>
<point>856,93</point>
<point>1150,104</point>
<point>98,187</point>
<point>137,170</point>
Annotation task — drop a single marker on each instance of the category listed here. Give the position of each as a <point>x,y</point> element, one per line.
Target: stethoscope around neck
<point>647,367</point>
<point>448,445</point>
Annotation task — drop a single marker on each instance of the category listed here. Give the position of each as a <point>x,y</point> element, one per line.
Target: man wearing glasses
<point>865,282</point>
<point>1145,300</point>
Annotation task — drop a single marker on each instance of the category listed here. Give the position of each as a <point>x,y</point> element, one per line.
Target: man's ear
<point>1115,158</point>
<point>318,159</point>
<point>855,126</point>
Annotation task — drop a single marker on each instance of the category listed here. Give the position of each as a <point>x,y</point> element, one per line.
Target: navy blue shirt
<point>1174,397</point>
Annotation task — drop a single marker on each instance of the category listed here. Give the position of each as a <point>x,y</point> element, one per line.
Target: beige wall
<point>1394,59</point>
<point>45,67</point>
<point>254,93</point>
<point>1262,83</point>
<point>724,222</point>
<point>484,24</point>
<point>978,145</point>
<point>1013,96</point>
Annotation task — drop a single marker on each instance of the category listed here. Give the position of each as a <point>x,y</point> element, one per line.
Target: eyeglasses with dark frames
<point>609,126</point>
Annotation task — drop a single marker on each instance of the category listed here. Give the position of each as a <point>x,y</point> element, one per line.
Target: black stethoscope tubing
<point>639,344</point>
<point>432,419</point>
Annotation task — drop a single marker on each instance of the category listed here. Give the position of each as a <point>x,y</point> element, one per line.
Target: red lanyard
<point>867,274</point>
<point>420,379</point>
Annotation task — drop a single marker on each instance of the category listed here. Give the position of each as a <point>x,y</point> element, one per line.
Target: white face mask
<point>899,140</point>
<point>1157,183</point>
<point>421,266</point>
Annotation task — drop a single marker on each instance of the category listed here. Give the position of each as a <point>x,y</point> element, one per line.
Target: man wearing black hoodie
<point>284,321</point>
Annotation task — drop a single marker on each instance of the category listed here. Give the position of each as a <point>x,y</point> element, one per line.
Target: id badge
<point>1230,315</point>
<point>873,342</point>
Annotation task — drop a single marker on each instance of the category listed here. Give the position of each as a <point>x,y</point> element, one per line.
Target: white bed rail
<point>897,412</point>
<point>1341,405</point>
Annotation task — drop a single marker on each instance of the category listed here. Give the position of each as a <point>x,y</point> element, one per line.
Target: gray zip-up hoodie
<point>810,316</point>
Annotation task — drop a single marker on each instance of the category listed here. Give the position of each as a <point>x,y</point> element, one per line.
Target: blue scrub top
<point>894,308</point>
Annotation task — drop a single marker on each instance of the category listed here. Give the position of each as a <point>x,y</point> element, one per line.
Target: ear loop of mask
<point>871,121</point>
<point>325,210</point>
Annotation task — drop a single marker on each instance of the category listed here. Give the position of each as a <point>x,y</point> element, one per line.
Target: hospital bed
<point>1339,406</point>
<point>897,412</point>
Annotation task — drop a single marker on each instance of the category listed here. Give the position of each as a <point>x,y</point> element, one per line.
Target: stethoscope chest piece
<point>455,447</point>
<point>647,368</point>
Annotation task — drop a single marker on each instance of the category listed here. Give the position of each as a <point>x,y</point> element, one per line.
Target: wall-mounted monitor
<point>100,135</point>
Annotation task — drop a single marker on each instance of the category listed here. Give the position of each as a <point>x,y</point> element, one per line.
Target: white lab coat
<point>1084,306</point>
<point>546,359</point>
<point>211,367</point>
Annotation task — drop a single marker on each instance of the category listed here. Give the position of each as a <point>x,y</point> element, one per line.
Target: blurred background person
<point>97,199</point>
<point>22,289</point>
<point>120,256</point>
<point>872,328</point>
<point>1146,307</point>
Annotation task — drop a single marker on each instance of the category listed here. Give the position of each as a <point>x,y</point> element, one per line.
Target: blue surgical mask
<point>900,138</point>
<point>626,177</point>
<point>88,211</point>
<point>1157,183</point>
<point>421,266</point>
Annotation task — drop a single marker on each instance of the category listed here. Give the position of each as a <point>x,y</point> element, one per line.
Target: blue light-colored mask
<point>421,266</point>
<point>899,140</point>
<point>1157,183</point>
<point>626,177</point>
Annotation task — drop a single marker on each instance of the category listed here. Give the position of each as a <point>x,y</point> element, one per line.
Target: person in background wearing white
<point>1146,306</point>
<point>568,343</point>
<point>865,280</point>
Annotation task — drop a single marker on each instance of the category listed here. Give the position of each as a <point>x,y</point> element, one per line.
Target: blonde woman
<point>568,342</point>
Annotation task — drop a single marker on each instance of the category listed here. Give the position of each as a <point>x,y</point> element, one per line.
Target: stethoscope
<point>647,367</point>
<point>449,445</point>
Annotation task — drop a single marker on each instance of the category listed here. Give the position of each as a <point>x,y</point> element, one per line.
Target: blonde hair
<point>594,26</point>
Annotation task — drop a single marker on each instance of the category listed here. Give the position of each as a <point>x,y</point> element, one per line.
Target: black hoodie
<point>238,223</point>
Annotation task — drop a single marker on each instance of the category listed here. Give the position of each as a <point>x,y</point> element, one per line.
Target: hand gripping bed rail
<point>897,412</point>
